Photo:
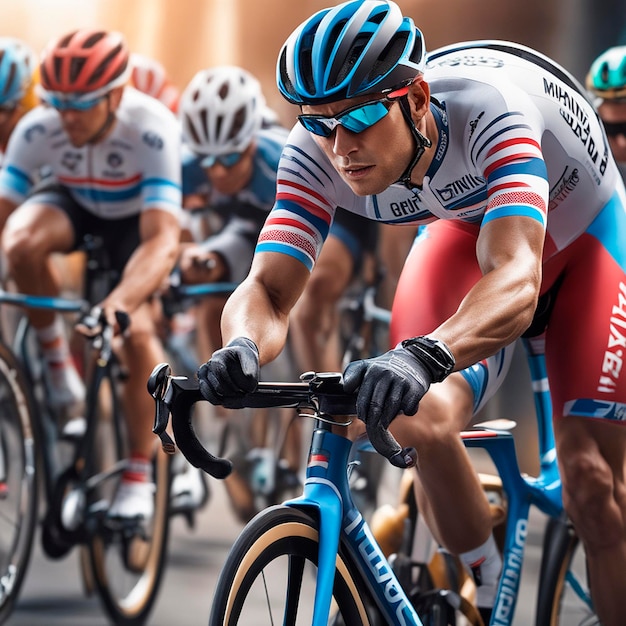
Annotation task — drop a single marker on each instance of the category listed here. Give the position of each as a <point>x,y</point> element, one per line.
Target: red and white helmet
<point>86,61</point>
<point>150,77</point>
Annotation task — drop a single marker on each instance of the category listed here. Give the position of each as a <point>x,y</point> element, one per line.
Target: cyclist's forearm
<point>250,313</point>
<point>145,271</point>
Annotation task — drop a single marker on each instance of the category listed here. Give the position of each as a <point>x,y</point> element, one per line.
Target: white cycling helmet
<point>221,110</point>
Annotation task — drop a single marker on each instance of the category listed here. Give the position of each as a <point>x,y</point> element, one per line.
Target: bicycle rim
<point>18,481</point>
<point>269,577</point>
<point>565,599</point>
<point>127,566</point>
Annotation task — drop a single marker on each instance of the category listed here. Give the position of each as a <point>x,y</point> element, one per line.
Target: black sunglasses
<point>615,128</point>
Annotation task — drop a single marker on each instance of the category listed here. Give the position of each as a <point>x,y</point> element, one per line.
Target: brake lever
<point>158,384</point>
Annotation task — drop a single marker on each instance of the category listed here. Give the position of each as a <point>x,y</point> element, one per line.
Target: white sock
<point>54,346</point>
<point>67,386</point>
<point>485,564</point>
<point>138,470</point>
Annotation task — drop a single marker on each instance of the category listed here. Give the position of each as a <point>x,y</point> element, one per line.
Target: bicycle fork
<point>327,493</point>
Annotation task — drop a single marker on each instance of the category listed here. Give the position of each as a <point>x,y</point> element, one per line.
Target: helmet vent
<point>191,129</point>
<point>204,120</point>
<point>91,41</point>
<point>66,40</point>
<point>223,92</point>
<point>605,73</point>
<point>101,69</point>
<point>238,123</point>
<point>9,81</point>
<point>388,58</point>
<point>352,57</point>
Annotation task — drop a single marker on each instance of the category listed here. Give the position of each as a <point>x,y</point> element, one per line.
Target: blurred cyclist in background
<point>231,146</point>
<point>229,174</point>
<point>606,80</point>
<point>115,158</point>
<point>17,94</point>
<point>149,75</point>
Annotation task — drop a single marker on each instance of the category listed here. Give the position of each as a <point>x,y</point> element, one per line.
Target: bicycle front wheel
<point>564,598</point>
<point>269,576</point>
<point>18,481</point>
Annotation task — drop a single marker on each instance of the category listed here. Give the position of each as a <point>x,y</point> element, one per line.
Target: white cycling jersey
<point>517,136</point>
<point>134,168</point>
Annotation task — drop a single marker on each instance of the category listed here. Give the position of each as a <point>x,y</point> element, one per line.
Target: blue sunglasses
<point>65,103</point>
<point>226,160</point>
<point>356,119</point>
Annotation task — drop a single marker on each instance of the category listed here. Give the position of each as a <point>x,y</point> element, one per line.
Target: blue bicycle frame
<point>543,491</point>
<point>327,493</point>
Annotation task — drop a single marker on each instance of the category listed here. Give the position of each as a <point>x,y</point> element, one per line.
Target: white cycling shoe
<point>133,500</point>
<point>189,490</point>
<point>66,390</point>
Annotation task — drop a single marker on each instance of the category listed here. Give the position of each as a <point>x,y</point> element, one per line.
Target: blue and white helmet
<point>607,76</point>
<point>356,48</point>
<point>17,63</point>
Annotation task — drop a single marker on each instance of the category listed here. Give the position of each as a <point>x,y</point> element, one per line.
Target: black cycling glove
<point>230,373</point>
<point>396,381</point>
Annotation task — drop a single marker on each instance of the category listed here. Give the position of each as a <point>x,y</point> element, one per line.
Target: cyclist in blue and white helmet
<point>356,49</point>
<point>606,81</point>
<point>522,205</point>
<point>17,64</point>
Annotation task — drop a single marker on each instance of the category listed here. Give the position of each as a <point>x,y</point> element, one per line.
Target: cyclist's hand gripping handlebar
<point>388,385</point>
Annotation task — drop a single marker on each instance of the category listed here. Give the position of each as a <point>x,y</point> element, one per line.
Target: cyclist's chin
<point>366,185</point>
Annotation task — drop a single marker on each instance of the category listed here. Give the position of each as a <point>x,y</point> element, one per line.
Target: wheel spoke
<point>294,587</point>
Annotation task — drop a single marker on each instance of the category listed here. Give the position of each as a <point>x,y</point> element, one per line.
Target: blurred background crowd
<point>187,35</point>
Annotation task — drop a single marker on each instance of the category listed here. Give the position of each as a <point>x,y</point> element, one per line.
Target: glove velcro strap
<point>434,354</point>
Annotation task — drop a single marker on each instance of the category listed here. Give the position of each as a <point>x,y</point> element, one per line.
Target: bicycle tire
<point>563,597</point>
<point>19,438</point>
<point>284,540</point>
<point>127,569</point>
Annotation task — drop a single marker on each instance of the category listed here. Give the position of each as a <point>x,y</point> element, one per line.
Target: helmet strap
<point>421,143</point>
<point>107,123</point>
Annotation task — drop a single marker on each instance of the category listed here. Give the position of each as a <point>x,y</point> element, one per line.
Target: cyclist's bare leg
<point>141,351</point>
<point>31,235</point>
<point>591,458</point>
<point>450,493</point>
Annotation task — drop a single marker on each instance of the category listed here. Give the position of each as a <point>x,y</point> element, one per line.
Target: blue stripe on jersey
<point>514,209</point>
<point>607,228</point>
<point>529,167</point>
<point>100,195</point>
<point>293,207</point>
<point>161,182</point>
<point>16,179</point>
<point>295,159</point>
<point>272,246</point>
<point>488,126</point>
<point>497,136</point>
